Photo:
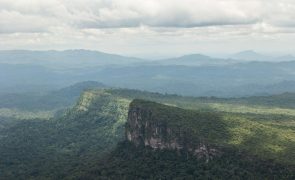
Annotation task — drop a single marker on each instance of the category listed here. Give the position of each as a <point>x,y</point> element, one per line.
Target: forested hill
<point>77,145</point>
<point>165,142</point>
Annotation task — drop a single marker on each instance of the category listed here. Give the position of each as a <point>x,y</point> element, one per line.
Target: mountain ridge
<point>162,139</point>
<point>250,55</point>
<point>78,142</point>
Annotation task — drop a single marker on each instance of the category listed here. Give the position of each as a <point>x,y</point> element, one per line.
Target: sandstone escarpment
<point>149,125</point>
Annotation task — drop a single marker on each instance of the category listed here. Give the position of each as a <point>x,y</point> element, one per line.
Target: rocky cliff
<point>161,127</point>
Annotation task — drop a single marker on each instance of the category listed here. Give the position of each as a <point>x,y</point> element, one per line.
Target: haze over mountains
<point>64,59</point>
<point>250,55</point>
<point>170,89</point>
<point>63,115</point>
<point>195,74</point>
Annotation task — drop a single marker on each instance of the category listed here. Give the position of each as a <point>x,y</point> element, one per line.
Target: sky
<point>149,28</point>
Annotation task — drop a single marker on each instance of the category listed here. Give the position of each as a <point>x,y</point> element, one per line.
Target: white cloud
<point>119,24</point>
<point>155,13</point>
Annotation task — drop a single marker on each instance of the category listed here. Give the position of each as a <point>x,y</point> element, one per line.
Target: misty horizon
<point>147,89</point>
<point>153,29</point>
<point>268,55</point>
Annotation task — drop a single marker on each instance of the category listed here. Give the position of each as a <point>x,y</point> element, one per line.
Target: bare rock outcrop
<point>144,129</point>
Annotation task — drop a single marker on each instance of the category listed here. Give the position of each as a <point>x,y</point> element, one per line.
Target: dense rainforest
<point>82,141</point>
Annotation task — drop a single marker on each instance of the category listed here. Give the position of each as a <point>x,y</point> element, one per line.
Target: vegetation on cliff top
<point>70,145</point>
<point>225,129</point>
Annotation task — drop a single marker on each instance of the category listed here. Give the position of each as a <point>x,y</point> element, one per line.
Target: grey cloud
<point>135,13</point>
<point>176,22</point>
<point>182,14</point>
<point>13,22</point>
<point>121,24</point>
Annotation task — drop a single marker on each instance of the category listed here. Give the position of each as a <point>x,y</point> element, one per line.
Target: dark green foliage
<point>285,100</point>
<point>195,125</point>
<point>72,146</point>
<point>130,162</point>
<point>53,149</point>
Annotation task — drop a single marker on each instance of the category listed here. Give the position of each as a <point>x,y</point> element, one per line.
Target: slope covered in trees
<point>77,144</point>
<point>130,162</point>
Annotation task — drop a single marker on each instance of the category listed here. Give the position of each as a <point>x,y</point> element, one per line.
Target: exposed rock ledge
<point>143,129</point>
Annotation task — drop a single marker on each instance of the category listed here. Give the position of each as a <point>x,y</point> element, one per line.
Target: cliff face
<point>143,128</point>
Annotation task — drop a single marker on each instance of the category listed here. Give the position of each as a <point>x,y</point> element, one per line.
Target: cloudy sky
<point>152,28</point>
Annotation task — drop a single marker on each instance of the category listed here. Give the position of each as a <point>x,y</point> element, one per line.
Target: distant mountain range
<point>85,58</point>
<point>285,58</point>
<point>250,55</point>
<point>195,60</point>
<point>195,74</point>
<point>55,100</point>
<point>65,59</point>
